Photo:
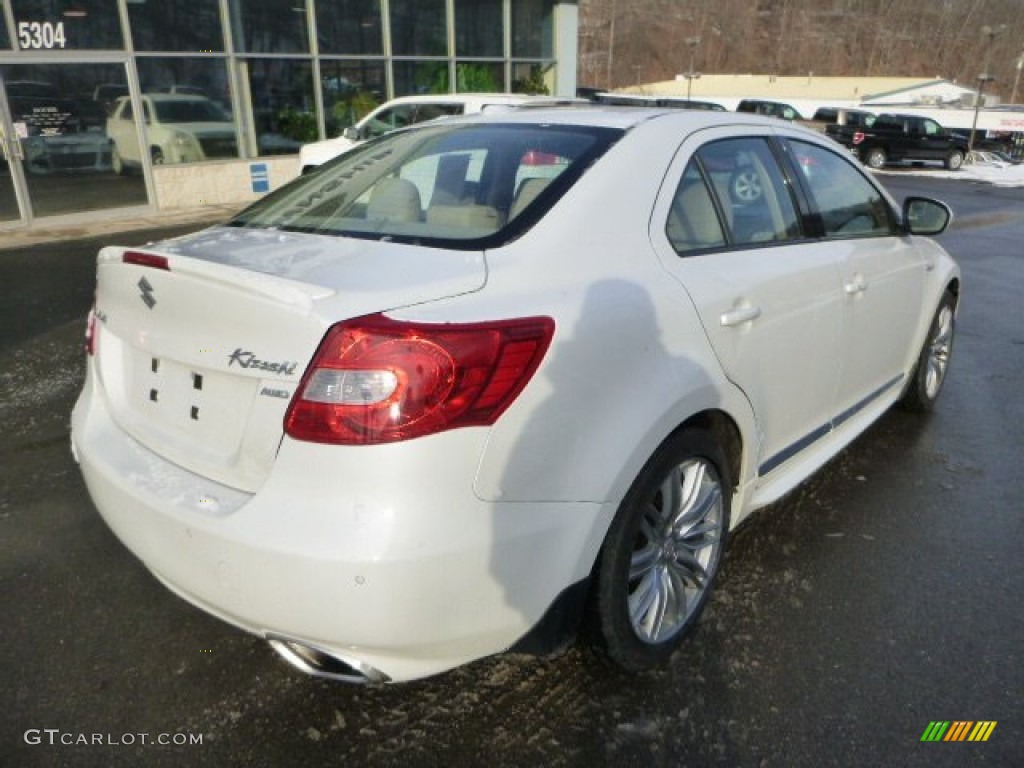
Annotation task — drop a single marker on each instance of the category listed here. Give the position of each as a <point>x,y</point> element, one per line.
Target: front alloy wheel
<point>662,551</point>
<point>932,364</point>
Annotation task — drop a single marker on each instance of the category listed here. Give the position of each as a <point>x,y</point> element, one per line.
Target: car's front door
<point>882,275</point>
<point>726,227</point>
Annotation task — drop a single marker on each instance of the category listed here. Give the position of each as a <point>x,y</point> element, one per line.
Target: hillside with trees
<point>625,42</point>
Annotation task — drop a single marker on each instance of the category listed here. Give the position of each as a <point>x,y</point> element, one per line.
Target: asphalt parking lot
<point>882,595</point>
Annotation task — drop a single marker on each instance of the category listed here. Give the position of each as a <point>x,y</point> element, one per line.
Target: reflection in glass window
<point>479,77</point>
<point>849,205</point>
<point>418,28</point>
<point>478,27</point>
<point>269,26</point>
<point>532,29</point>
<point>533,78</point>
<point>751,191</point>
<point>415,77</point>
<point>5,41</point>
<point>69,155</point>
<point>45,25</point>
<point>284,114</point>
<point>349,26</point>
<point>176,25</point>
<point>351,90</point>
<point>205,77</point>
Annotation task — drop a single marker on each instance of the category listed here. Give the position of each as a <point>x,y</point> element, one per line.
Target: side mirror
<point>924,216</point>
<point>351,133</point>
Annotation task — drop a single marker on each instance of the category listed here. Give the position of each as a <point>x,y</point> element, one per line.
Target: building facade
<point>113,106</point>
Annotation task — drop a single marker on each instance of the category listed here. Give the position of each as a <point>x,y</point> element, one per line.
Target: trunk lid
<point>202,341</point>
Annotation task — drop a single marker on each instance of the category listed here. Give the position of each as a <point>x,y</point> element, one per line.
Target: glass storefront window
<point>76,25</point>
<point>188,107</point>
<point>533,78</point>
<point>413,77</point>
<point>533,29</point>
<point>478,27</point>
<point>5,41</point>
<point>284,114</point>
<point>418,28</point>
<point>351,90</point>
<point>479,77</point>
<point>176,25</point>
<point>66,143</point>
<point>269,26</point>
<point>349,26</point>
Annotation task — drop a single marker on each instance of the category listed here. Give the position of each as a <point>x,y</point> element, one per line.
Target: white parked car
<point>180,128</point>
<point>405,111</point>
<point>425,405</point>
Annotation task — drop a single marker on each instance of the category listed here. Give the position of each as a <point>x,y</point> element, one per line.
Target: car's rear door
<point>726,228</point>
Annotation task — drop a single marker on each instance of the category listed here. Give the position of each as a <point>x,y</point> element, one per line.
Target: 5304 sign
<point>35,35</point>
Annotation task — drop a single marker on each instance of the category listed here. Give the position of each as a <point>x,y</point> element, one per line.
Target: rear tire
<point>875,158</point>
<point>955,160</point>
<point>658,562</point>
<point>929,373</point>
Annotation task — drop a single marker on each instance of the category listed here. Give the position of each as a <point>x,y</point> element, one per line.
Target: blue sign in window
<point>260,177</point>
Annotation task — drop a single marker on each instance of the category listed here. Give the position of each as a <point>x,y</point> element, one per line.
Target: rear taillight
<point>90,333</point>
<point>858,137</point>
<point>376,380</point>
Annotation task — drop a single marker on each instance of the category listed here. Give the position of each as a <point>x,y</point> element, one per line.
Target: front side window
<point>849,205</point>
<point>445,185</point>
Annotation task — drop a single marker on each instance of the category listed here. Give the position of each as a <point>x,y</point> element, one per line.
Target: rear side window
<point>732,193</point>
<point>849,205</point>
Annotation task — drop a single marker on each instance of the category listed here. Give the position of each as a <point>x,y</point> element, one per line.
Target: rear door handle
<point>739,316</point>
<point>855,286</point>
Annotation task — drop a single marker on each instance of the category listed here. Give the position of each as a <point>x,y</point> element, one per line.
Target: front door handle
<point>739,316</point>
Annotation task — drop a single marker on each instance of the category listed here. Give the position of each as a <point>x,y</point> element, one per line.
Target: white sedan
<point>479,377</point>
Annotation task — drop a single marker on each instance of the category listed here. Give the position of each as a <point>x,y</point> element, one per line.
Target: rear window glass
<point>451,185</point>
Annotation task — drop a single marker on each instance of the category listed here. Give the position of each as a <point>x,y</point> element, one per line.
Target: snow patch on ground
<point>1012,176</point>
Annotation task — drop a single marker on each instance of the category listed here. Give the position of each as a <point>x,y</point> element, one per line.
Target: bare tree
<point>626,43</point>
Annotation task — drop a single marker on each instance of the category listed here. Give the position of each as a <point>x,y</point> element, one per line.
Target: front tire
<point>932,364</point>
<point>663,549</point>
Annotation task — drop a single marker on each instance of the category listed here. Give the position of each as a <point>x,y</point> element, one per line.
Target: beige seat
<point>693,222</point>
<point>394,200</point>
<point>475,217</point>
<point>527,193</point>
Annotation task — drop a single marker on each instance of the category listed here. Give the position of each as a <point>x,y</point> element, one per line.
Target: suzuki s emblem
<point>147,293</point>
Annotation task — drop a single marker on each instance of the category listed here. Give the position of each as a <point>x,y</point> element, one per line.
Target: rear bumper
<point>382,555</point>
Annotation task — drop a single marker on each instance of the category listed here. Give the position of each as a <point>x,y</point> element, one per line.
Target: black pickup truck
<point>892,138</point>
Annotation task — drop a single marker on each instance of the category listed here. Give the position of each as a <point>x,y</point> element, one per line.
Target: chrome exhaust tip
<point>320,662</point>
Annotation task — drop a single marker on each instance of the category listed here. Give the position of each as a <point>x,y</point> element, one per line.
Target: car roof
<point>624,118</point>
<point>464,98</point>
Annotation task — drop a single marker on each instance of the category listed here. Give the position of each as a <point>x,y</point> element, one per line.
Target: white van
<point>407,110</point>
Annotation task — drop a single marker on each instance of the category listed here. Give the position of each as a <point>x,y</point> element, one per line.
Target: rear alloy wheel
<point>662,551</point>
<point>875,158</point>
<point>745,187</point>
<point>930,372</point>
<point>955,160</point>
